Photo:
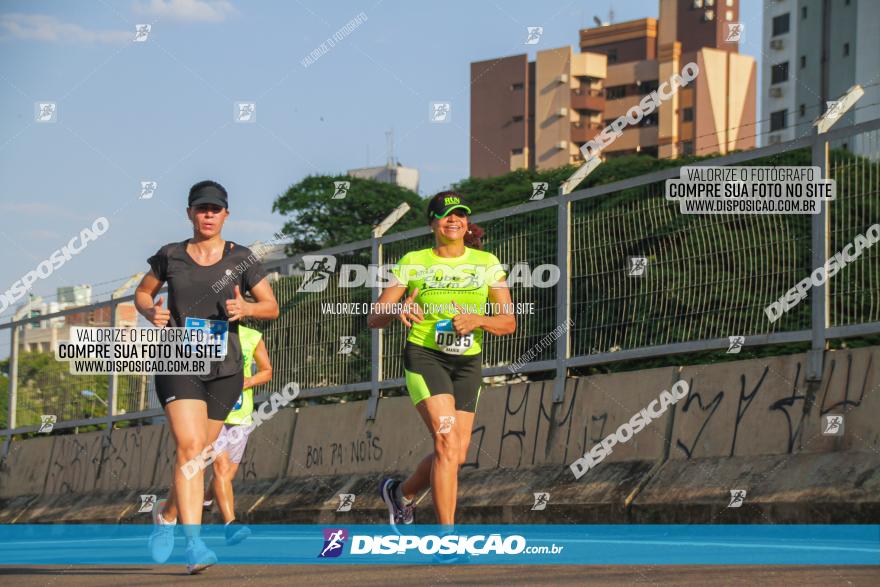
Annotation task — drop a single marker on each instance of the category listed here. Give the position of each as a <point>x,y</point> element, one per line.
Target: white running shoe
<point>161,540</point>
<point>198,556</point>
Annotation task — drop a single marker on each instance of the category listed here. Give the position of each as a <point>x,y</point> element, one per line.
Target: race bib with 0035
<point>449,341</point>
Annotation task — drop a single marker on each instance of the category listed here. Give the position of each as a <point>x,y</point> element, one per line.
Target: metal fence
<point>708,277</point>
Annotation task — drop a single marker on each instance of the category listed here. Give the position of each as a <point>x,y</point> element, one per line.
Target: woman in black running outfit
<point>196,406</point>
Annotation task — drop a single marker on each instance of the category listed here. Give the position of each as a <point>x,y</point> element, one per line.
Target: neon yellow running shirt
<point>244,407</point>
<point>441,281</point>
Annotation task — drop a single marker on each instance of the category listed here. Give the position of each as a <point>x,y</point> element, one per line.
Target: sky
<point>163,110</point>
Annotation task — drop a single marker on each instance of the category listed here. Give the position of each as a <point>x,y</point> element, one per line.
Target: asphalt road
<point>385,575</point>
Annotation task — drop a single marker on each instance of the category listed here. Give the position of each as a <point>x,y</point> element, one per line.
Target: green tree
<point>45,386</point>
<point>317,221</point>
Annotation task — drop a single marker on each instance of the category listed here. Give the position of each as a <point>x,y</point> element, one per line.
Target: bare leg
<point>169,512</point>
<point>193,431</point>
<point>421,477</point>
<point>224,473</point>
<point>440,417</point>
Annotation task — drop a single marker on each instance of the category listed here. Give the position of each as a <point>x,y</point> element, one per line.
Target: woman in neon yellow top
<point>447,289</point>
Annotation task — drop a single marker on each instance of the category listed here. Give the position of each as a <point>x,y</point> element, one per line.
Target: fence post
<point>819,237</point>
<point>563,254</point>
<point>114,381</point>
<point>13,385</point>
<point>375,337</point>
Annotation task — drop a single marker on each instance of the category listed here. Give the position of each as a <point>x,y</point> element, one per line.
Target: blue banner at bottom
<point>73,544</point>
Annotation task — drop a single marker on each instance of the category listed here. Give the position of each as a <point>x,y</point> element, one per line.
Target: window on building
<point>803,13</point>
<point>780,24</point>
<point>709,15</point>
<point>517,86</point>
<point>518,119</point>
<point>516,151</point>
<point>777,120</point>
<point>729,3</point>
<point>698,4</point>
<point>729,15</point>
<point>615,92</point>
<point>709,2</point>
<point>648,86</point>
<point>612,56</point>
<point>779,73</point>
<point>803,61</point>
<point>649,120</point>
<point>687,115</point>
<point>846,49</point>
<point>687,148</point>
<point>803,110</point>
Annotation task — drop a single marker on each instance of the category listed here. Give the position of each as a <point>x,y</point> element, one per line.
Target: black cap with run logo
<point>444,203</point>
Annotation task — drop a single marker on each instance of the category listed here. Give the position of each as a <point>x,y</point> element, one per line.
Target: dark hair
<point>474,237</point>
<point>206,183</point>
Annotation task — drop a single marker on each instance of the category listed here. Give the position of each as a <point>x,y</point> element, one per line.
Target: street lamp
<point>93,395</point>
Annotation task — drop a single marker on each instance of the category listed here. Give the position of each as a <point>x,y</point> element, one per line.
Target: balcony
<point>588,99</point>
<point>581,132</point>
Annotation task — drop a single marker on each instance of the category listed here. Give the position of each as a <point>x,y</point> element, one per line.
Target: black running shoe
<point>397,513</point>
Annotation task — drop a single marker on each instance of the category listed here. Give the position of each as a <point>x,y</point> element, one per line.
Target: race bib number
<point>217,331</point>
<point>449,341</point>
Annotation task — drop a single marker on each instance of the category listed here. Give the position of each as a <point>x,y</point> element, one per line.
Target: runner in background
<point>237,427</point>
<point>447,288</point>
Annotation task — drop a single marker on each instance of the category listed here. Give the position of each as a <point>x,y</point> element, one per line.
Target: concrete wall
<point>739,417</point>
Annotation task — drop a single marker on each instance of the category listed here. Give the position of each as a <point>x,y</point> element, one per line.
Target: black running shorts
<point>431,372</point>
<point>220,394</point>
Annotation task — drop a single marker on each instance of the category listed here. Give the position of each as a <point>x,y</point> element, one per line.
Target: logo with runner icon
<point>334,541</point>
<point>319,268</point>
<point>47,423</point>
<point>346,345</point>
<point>737,498</point>
<point>541,501</point>
<point>346,500</point>
<point>832,425</point>
<point>147,503</point>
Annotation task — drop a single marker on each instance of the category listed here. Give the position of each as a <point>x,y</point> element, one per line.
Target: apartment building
<point>42,336</point>
<point>815,50</point>
<point>538,114</point>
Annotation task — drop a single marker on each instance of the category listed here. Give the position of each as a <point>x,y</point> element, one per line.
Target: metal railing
<point>707,278</point>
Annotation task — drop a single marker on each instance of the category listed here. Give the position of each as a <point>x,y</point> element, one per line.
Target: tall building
<point>502,115</point>
<point>539,114</point>
<point>815,51</point>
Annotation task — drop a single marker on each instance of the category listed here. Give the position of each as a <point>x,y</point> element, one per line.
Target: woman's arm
<point>264,368</point>
<point>264,308</point>
<point>382,315</point>
<point>500,324</point>
<point>143,300</point>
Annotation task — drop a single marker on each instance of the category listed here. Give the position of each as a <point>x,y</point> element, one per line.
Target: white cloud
<point>48,29</point>
<point>187,10</point>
